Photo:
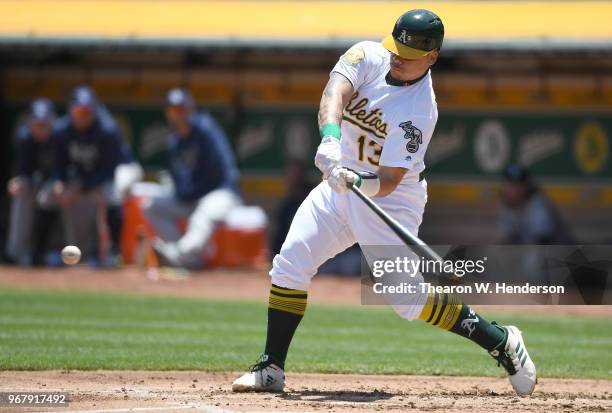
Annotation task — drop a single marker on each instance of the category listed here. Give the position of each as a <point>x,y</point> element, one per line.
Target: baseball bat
<point>414,242</point>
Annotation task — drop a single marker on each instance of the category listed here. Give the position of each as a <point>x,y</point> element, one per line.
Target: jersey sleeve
<point>220,148</point>
<point>354,64</point>
<point>407,143</point>
<point>109,147</point>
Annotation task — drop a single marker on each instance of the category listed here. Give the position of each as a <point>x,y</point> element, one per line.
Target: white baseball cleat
<point>264,376</point>
<point>513,356</point>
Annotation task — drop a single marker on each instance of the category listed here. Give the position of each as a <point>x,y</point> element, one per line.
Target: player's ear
<point>432,57</point>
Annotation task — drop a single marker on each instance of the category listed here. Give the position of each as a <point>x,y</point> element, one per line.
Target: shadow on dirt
<point>345,396</point>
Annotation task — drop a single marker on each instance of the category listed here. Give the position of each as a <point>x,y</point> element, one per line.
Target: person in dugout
<point>35,162</point>
<point>90,148</point>
<point>205,179</point>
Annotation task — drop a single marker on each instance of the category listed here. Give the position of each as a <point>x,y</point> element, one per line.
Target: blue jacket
<point>89,157</point>
<point>35,160</point>
<point>203,161</point>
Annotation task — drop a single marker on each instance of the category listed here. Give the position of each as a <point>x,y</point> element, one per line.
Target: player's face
<point>82,117</point>
<point>178,118</point>
<point>514,194</point>
<point>41,130</point>
<point>410,69</point>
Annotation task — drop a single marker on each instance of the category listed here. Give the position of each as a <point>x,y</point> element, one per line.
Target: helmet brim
<point>402,50</point>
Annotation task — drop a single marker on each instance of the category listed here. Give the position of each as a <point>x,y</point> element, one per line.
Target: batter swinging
<point>377,115</point>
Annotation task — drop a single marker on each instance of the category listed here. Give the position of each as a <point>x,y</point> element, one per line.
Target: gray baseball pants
<point>202,216</point>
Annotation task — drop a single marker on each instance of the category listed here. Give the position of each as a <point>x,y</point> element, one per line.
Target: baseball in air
<point>71,254</point>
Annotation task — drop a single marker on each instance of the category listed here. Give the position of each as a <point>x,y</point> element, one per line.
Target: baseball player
<point>90,149</point>
<point>377,115</point>
<point>526,215</point>
<point>35,156</point>
<point>205,178</point>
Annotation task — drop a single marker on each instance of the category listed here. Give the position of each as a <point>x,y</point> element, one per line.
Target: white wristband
<point>368,183</point>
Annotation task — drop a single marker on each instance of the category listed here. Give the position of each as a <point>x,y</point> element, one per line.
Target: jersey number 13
<point>376,150</point>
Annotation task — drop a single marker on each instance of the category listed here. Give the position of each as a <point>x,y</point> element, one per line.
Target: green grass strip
<point>42,330</point>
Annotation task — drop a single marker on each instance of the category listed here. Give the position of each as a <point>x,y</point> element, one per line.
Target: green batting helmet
<point>415,34</point>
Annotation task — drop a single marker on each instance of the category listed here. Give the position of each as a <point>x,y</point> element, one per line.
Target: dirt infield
<point>104,391</point>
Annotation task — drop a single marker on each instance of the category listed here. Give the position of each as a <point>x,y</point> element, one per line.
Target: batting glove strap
<point>368,183</point>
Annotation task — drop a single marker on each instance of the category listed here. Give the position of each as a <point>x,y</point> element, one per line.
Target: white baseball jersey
<point>382,125</point>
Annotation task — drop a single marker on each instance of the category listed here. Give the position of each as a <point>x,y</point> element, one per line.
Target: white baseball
<point>71,254</point>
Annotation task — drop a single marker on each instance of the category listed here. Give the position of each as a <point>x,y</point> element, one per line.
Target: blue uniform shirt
<point>109,121</point>
<point>203,161</point>
<point>35,160</point>
<point>89,157</point>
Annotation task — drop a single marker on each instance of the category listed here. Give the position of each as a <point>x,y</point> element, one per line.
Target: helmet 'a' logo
<point>413,134</point>
<point>404,37</point>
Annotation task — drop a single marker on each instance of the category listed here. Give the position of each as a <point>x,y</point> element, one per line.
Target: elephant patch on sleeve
<point>414,136</point>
